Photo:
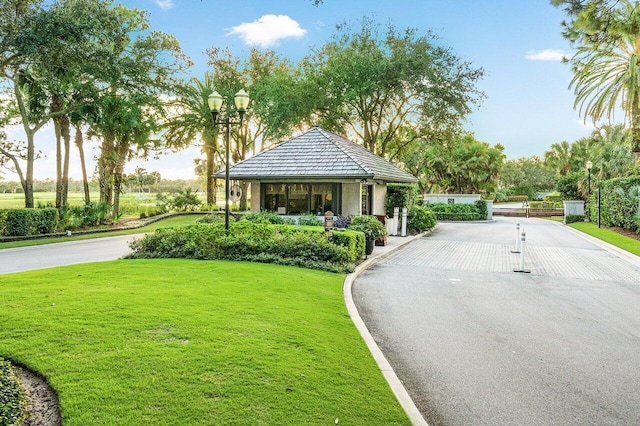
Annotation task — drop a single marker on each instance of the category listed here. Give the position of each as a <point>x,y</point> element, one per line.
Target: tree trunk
<point>56,128</point>
<point>118,171</point>
<point>85,180</point>
<point>106,167</point>
<point>243,198</point>
<point>635,130</point>
<point>66,137</point>
<point>27,186</point>
<point>210,148</point>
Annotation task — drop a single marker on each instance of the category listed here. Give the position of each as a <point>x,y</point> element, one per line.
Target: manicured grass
<point>185,342</point>
<point>611,237</point>
<point>164,223</point>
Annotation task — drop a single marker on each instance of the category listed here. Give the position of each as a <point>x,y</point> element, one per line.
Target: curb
<point>606,246</point>
<point>387,371</point>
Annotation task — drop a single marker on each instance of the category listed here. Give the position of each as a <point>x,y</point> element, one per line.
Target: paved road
<point>477,344</point>
<point>66,253</point>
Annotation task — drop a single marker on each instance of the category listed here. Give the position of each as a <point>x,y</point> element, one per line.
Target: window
<point>274,197</point>
<point>300,198</point>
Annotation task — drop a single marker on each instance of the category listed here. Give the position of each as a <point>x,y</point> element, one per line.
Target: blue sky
<point>518,43</point>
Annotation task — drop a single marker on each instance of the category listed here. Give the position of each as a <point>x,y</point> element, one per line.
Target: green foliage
<point>526,176</point>
<point>353,241</point>
<point>310,220</point>
<point>184,200</point>
<point>267,217</point>
<point>567,186</point>
<point>379,78</point>
<point>369,225</point>
<point>463,165</point>
<point>554,197</point>
<point>483,210</point>
<point>461,212</point>
<point>248,241</point>
<point>13,396</point>
<point>211,218</point>
<point>25,222</point>
<point>420,219</point>
<point>618,206</point>
<point>573,218</point>
<point>399,195</point>
<point>87,215</point>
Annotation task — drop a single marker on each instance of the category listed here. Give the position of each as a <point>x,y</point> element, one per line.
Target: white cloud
<point>268,30</point>
<point>164,4</point>
<point>545,55</point>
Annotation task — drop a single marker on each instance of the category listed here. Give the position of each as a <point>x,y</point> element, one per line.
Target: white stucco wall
<point>351,198</point>
<point>254,194</point>
<point>379,194</point>
<point>458,198</point>
<point>573,208</point>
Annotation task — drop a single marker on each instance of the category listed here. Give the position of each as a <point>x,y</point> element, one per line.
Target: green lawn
<point>629,244</point>
<point>184,342</point>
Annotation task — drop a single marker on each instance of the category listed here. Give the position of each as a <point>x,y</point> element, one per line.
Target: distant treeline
<point>48,185</point>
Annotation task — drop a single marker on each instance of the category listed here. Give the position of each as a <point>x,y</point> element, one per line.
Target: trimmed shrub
<point>460,212</point>
<point>25,222</point>
<point>554,197</point>
<point>353,241</point>
<point>310,220</point>
<point>251,241</point>
<point>483,210</point>
<point>369,225</point>
<point>572,218</point>
<point>13,397</point>
<point>420,219</point>
<point>399,195</point>
<point>264,217</point>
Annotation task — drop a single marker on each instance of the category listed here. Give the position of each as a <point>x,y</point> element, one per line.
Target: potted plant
<point>371,227</point>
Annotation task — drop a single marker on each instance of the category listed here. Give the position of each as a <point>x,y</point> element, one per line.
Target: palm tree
<point>190,120</point>
<point>558,158</point>
<point>607,74</point>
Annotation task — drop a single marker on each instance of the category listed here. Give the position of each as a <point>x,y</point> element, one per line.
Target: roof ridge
<point>341,148</point>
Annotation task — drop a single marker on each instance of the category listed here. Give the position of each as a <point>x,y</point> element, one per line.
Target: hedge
<point>399,195</point>
<point>308,247</point>
<point>462,212</point>
<point>615,209</point>
<point>25,222</point>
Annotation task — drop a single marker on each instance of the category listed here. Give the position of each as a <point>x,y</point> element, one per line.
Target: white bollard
<point>396,213</point>
<point>522,245</point>
<point>404,222</point>
<point>517,249</point>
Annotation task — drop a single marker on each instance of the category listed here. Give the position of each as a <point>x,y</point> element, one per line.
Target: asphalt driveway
<point>64,253</point>
<point>478,344</point>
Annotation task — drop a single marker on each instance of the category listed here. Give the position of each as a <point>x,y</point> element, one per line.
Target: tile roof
<point>317,154</point>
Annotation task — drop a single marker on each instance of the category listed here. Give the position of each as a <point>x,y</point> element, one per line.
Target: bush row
<point>25,222</point>
<point>256,242</point>
<point>462,212</point>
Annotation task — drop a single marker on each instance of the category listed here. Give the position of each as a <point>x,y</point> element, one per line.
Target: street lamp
<point>589,166</point>
<point>241,100</point>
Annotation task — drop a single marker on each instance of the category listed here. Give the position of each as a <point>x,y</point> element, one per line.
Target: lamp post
<point>589,166</point>
<point>241,100</point>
